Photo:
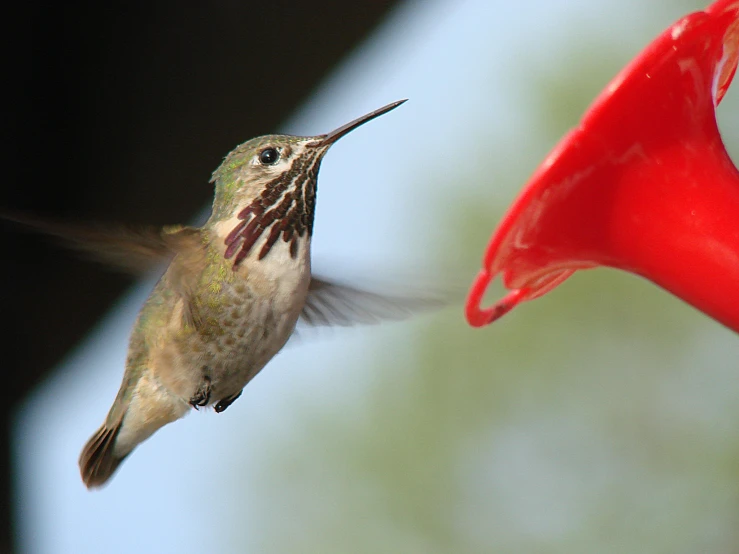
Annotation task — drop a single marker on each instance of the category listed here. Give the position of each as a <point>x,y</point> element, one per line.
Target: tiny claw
<point>226,402</point>
<point>202,395</point>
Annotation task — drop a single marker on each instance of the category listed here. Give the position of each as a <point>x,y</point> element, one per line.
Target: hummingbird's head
<point>269,183</point>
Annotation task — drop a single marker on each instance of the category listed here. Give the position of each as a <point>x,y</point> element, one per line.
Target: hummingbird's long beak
<point>333,136</point>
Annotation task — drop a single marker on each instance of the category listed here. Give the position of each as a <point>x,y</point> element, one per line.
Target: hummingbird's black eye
<point>269,156</point>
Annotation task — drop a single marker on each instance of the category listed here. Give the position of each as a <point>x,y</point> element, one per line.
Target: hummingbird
<point>231,295</point>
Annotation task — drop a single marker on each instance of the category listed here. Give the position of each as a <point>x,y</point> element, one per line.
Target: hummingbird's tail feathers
<point>98,461</point>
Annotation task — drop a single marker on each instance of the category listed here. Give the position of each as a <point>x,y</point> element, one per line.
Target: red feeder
<point>643,184</point>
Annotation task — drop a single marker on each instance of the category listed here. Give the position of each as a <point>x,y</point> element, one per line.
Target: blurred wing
<point>134,249</point>
<point>332,304</point>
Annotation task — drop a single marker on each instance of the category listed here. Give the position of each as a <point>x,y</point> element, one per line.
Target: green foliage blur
<point>600,418</point>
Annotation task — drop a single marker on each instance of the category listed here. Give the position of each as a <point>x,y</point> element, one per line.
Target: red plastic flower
<point>643,184</point>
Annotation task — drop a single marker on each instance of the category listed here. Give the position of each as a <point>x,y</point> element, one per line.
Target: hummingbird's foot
<point>202,395</point>
<point>224,403</point>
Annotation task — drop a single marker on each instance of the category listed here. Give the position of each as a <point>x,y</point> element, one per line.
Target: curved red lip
<point>643,184</point>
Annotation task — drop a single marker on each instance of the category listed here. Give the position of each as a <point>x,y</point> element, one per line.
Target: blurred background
<point>600,418</point>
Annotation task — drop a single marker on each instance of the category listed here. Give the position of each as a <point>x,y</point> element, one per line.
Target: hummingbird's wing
<point>334,304</point>
<point>134,249</point>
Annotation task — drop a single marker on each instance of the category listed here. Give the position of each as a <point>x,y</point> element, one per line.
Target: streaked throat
<point>284,210</point>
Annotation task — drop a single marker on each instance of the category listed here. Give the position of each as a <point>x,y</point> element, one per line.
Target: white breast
<point>278,275</point>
